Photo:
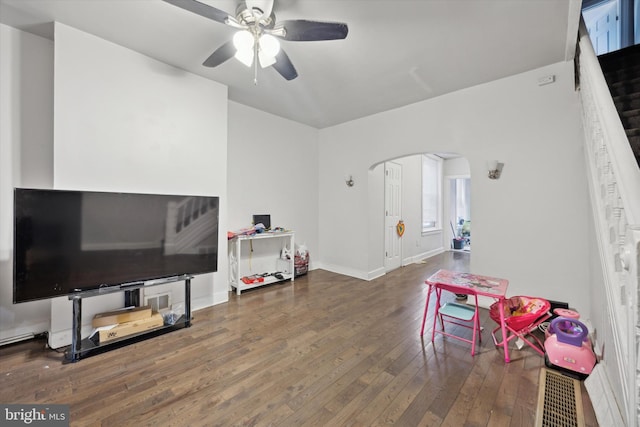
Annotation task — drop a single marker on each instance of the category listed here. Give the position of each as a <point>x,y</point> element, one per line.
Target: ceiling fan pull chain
<point>255,61</point>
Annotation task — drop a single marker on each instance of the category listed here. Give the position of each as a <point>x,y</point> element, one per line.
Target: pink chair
<point>463,315</point>
<point>522,317</point>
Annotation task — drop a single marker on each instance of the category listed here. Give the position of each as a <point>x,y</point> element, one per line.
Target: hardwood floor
<point>326,350</point>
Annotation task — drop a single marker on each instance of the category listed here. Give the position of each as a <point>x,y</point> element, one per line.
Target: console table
<point>82,348</point>
<point>259,254</point>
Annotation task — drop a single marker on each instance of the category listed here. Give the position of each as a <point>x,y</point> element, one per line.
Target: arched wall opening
<point>420,239</point>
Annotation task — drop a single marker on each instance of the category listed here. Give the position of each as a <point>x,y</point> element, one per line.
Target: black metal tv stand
<point>82,348</point>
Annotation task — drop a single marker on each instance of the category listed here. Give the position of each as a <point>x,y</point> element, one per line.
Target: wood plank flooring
<point>325,350</point>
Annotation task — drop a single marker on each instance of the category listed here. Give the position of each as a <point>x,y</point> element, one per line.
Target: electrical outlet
<point>546,80</point>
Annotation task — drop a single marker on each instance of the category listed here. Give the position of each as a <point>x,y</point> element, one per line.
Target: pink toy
<point>569,347</point>
<point>561,312</point>
<point>522,315</point>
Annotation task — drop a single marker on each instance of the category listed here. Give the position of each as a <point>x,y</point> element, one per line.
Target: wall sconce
<point>349,181</point>
<point>495,169</point>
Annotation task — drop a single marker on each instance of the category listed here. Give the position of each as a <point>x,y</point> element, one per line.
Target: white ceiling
<point>397,52</point>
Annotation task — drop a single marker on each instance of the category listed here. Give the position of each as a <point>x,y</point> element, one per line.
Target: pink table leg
<point>435,314</point>
<point>426,307</point>
<point>504,331</point>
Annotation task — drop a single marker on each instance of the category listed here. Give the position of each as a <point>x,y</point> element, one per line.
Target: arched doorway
<point>430,217</point>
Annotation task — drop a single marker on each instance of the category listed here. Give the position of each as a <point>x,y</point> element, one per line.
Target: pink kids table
<point>482,285</point>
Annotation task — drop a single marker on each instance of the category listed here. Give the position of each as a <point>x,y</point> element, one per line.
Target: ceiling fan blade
<point>203,10</point>
<point>220,55</point>
<point>284,66</point>
<point>301,30</point>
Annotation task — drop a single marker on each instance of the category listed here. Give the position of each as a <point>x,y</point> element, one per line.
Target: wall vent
<point>158,302</point>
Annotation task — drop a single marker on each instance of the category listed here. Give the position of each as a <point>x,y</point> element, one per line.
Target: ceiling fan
<point>257,38</point>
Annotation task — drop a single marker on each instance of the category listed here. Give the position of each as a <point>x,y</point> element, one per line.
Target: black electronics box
<point>264,220</point>
<point>557,304</point>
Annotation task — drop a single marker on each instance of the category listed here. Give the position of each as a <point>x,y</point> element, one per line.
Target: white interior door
<point>392,214</point>
<point>603,25</point>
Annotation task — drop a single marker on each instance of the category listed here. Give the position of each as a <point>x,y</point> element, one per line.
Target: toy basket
<point>520,312</point>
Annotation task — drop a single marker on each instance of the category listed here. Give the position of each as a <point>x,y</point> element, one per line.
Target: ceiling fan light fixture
<point>266,60</point>
<point>269,47</point>
<point>245,56</point>
<point>243,41</point>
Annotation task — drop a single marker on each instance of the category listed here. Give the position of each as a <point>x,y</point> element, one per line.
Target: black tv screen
<point>72,241</point>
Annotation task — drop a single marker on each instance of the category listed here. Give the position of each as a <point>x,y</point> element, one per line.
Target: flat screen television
<point>67,242</point>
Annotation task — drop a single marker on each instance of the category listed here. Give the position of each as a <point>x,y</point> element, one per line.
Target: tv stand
<point>82,348</point>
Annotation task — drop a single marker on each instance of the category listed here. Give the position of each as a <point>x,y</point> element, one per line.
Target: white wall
<point>273,169</point>
<point>26,157</point>
<point>125,122</point>
<point>529,226</point>
<point>455,167</point>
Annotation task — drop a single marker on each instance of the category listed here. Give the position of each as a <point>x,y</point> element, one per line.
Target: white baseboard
<point>345,271</point>
<point>209,301</point>
<point>422,256</point>
<point>376,273</point>
<point>603,398</point>
<point>21,334</point>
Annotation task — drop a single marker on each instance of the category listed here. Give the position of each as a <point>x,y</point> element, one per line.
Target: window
<point>462,191</point>
<point>431,193</point>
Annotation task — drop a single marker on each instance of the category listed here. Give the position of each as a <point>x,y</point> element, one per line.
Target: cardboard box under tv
<point>121,316</point>
<point>123,330</point>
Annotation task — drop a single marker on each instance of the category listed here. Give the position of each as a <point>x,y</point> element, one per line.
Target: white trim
<point>431,231</point>
<point>417,258</point>
<point>602,398</point>
<point>358,274</point>
<point>379,272</point>
<point>17,338</point>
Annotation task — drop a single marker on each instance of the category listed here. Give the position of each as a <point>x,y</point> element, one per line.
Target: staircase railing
<point>614,186</point>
